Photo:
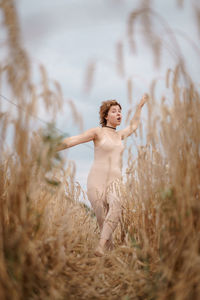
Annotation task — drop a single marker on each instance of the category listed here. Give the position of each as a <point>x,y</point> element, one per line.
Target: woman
<point>105,174</point>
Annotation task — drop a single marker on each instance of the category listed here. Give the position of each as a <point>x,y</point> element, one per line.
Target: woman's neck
<point>108,126</point>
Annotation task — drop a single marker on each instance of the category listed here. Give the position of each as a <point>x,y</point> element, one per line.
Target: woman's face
<point>114,116</point>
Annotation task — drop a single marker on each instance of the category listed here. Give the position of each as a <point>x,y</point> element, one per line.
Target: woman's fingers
<point>144,99</point>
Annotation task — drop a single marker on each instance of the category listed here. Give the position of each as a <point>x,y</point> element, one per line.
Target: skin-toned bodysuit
<point>103,185</point>
<point>103,182</point>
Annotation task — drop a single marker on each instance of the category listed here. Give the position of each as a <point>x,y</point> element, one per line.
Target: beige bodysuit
<point>103,182</point>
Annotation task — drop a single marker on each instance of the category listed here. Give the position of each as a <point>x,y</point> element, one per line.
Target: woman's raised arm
<point>84,137</point>
<point>135,120</point>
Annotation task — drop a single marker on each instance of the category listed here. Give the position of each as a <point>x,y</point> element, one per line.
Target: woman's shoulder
<point>95,131</point>
<point>98,132</point>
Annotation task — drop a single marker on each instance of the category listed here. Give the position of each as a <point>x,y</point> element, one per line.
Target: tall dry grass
<point>47,237</point>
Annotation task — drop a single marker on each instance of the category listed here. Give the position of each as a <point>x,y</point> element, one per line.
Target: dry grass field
<point>47,237</point>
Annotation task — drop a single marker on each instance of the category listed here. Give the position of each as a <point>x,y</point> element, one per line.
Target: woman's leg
<point>98,205</point>
<point>111,220</point>
<point>107,209</point>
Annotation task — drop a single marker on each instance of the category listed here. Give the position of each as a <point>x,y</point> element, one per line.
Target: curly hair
<point>104,109</point>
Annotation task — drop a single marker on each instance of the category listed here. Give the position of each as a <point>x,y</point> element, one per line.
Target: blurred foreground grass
<point>47,237</point>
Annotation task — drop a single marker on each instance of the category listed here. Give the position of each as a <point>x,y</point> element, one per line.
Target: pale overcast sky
<point>65,36</point>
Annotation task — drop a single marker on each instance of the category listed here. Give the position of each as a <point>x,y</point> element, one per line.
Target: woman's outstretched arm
<point>135,120</point>
<point>84,137</point>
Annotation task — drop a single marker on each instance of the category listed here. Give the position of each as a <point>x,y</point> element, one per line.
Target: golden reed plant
<point>47,237</point>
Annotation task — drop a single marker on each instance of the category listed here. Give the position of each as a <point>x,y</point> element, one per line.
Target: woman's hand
<point>143,100</point>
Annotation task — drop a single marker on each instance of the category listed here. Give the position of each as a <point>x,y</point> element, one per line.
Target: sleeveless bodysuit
<point>102,184</point>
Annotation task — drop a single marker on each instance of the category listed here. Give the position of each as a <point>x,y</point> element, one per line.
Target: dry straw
<point>47,237</point>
